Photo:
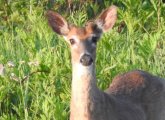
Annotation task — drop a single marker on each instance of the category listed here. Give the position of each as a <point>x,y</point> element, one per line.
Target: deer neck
<point>84,91</point>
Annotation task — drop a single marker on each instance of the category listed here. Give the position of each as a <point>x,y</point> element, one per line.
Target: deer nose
<point>86,60</point>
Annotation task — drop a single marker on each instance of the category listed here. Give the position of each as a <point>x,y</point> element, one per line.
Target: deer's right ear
<point>107,18</point>
<point>57,23</point>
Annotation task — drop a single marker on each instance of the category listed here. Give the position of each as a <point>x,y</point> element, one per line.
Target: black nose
<point>86,60</point>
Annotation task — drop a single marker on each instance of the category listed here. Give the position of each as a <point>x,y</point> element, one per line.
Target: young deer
<point>136,95</point>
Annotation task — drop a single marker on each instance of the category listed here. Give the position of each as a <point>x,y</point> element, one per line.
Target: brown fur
<point>84,32</point>
<point>143,90</point>
<point>128,82</point>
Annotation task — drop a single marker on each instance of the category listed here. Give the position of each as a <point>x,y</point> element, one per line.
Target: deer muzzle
<point>86,60</point>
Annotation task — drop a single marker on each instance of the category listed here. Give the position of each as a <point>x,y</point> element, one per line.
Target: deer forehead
<point>80,33</point>
<point>83,33</point>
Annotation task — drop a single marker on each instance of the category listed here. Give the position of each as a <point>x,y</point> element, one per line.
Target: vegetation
<point>36,83</point>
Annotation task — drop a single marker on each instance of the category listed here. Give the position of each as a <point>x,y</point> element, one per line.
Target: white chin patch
<point>83,70</point>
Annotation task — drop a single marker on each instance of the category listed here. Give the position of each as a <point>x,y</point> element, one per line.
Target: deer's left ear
<point>107,18</point>
<point>57,23</point>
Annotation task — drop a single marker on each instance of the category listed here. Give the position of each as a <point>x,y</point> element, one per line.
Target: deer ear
<point>57,23</point>
<point>107,18</point>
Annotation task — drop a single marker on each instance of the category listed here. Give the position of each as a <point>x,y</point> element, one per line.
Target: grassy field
<point>36,83</point>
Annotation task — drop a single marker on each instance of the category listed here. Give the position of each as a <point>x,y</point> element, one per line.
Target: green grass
<point>38,86</point>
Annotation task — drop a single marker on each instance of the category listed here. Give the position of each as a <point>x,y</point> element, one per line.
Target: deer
<point>134,95</point>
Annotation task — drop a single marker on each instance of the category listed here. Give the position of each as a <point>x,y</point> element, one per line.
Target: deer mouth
<point>86,60</point>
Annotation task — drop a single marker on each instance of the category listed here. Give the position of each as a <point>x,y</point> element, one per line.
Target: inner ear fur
<point>107,18</point>
<point>57,23</point>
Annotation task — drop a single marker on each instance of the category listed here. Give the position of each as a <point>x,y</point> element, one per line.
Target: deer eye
<point>72,41</point>
<point>94,39</point>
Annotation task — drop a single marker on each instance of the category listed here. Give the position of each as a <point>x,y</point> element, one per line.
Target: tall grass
<point>37,80</point>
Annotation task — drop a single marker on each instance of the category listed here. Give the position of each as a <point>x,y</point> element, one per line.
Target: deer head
<point>83,40</point>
